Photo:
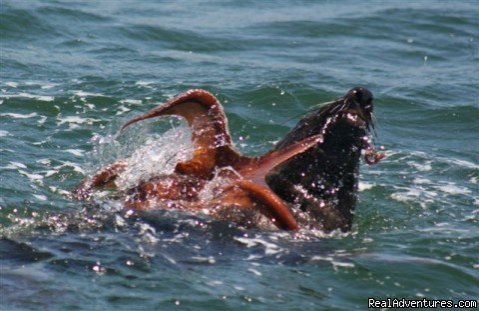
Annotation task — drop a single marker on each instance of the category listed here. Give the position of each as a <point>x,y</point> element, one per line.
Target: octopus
<point>309,179</point>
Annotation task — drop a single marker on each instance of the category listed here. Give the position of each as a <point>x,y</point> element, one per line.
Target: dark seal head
<point>323,181</point>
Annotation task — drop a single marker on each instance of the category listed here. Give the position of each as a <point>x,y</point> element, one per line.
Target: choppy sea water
<point>73,71</point>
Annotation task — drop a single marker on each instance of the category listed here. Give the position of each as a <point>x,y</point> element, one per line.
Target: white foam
<point>42,120</point>
<point>54,170</point>
<point>419,180</point>
<point>19,115</point>
<point>410,195</point>
<point>269,248</point>
<point>337,264</point>
<point>76,120</point>
<point>464,163</point>
<point>81,93</point>
<point>75,167</point>
<point>144,83</point>
<point>44,161</point>
<point>11,84</point>
<point>417,194</point>
<point>453,189</point>
<point>420,154</point>
<point>49,86</point>
<point>40,83</point>
<point>423,167</point>
<point>39,143</point>
<point>50,173</point>
<point>45,98</point>
<point>4,133</point>
<point>458,162</point>
<point>60,191</point>
<point>15,165</point>
<point>76,152</point>
<point>32,177</point>
<point>40,197</point>
<point>122,110</point>
<point>321,258</point>
<point>364,186</point>
<point>255,272</point>
<point>131,101</point>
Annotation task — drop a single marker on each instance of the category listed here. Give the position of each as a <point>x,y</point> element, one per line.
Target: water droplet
<point>98,268</point>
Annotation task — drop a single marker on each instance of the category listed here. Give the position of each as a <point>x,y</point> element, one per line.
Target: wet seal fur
<point>309,179</point>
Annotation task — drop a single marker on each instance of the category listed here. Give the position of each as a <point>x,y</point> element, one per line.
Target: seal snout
<point>359,101</point>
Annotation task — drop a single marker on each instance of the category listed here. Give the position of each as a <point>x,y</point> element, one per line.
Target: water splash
<point>157,156</point>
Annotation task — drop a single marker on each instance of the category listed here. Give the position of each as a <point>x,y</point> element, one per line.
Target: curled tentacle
<point>371,156</point>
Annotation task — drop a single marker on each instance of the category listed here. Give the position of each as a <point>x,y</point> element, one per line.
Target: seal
<point>323,180</point>
<point>314,167</point>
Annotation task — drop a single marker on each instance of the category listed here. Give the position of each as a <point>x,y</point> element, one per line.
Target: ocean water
<point>73,71</point>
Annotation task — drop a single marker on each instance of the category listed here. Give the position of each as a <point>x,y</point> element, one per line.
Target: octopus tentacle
<point>104,177</point>
<point>273,206</point>
<point>205,116</point>
<point>258,170</point>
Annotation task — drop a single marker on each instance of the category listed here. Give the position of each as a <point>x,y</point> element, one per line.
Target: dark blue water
<point>73,71</point>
